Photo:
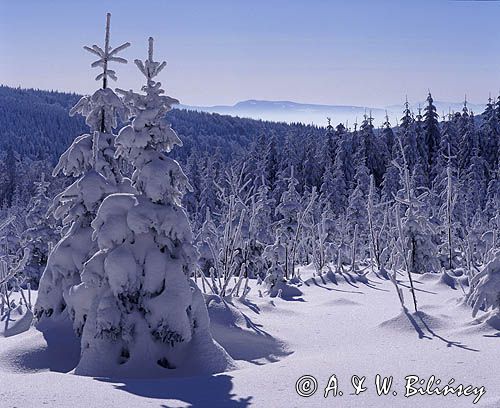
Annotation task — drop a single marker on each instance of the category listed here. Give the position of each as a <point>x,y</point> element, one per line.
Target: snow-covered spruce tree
<point>89,159</point>
<point>415,250</point>
<point>417,233</point>
<point>269,166</point>
<point>208,194</point>
<point>387,134</point>
<point>258,232</point>
<point>8,176</point>
<point>432,133</point>
<point>231,249</point>
<point>374,148</point>
<point>469,141</point>
<point>420,138</point>
<point>444,187</point>
<point>326,151</point>
<point>489,138</point>
<point>40,235</point>
<point>319,235</point>
<point>327,188</point>
<point>390,183</point>
<point>408,135</point>
<point>448,146</point>
<point>485,291</point>
<point>288,159</point>
<point>492,207</point>
<point>377,223</point>
<point>474,185</point>
<point>356,211</point>
<point>205,243</point>
<point>263,214</point>
<point>275,279</point>
<point>335,188</point>
<point>137,310</point>
<point>287,226</point>
<point>191,200</point>
<point>312,168</point>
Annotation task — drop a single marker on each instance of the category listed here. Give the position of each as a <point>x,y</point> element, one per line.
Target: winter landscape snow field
<point>188,259</point>
<point>338,325</point>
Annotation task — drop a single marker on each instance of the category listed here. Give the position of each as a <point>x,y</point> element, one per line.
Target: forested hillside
<point>323,194</point>
<point>35,128</point>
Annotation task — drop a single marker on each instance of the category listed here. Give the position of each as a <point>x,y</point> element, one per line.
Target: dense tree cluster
<point>263,198</point>
<point>454,161</point>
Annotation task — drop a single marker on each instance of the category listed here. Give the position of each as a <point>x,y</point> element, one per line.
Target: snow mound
<point>341,302</point>
<point>31,351</point>
<point>448,279</point>
<point>486,322</point>
<point>429,277</point>
<point>416,321</point>
<point>287,290</point>
<point>15,321</point>
<point>242,338</point>
<point>348,277</point>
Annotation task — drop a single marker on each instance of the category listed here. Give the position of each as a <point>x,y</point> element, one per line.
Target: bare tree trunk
<point>286,261</point>
<point>353,248</point>
<point>374,244</point>
<point>448,214</point>
<point>405,257</point>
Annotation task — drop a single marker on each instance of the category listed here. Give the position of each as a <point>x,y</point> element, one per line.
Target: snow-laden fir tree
<point>417,246</point>
<point>390,183</point>
<point>387,134</point>
<point>256,231</point>
<point>474,186</point>
<point>448,146</point>
<point>469,141</point>
<point>327,150</point>
<point>137,310</point>
<point>335,187</point>
<point>374,150</point>
<point>485,291</point>
<point>492,207</point>
<point>192,199</point>
<point>407,133</point>
<point>270,164</point>
<point>356,211</point>
<point>287,226</point>
<point>206,243</point>
<point>40,234</point>
<point>263,214</point>
<point>489,135</point>
<point>420,138</point>
<point>328,153</point>
<point>8,176</point>
<point>234,194</point>
<point>311,168</point>
<point>277,255</point>
<point>328,184</point>
<point>445,188</point>
<point>89,159</point>
<point>208,193</point>
<point>432,133</point>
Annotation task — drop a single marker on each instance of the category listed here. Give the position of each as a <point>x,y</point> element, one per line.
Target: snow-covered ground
<point>344,328</point>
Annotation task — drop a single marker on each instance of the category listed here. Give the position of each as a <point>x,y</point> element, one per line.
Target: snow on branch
<point>106,55</point>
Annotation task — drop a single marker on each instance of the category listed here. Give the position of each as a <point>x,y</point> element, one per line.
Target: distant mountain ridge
<point>267,110</point>
<point>289,111</point>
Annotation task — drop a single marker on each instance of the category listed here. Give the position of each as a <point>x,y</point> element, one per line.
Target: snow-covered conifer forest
<point>155,256</point>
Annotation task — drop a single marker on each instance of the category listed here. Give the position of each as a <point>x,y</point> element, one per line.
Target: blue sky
<point>360,52</point>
